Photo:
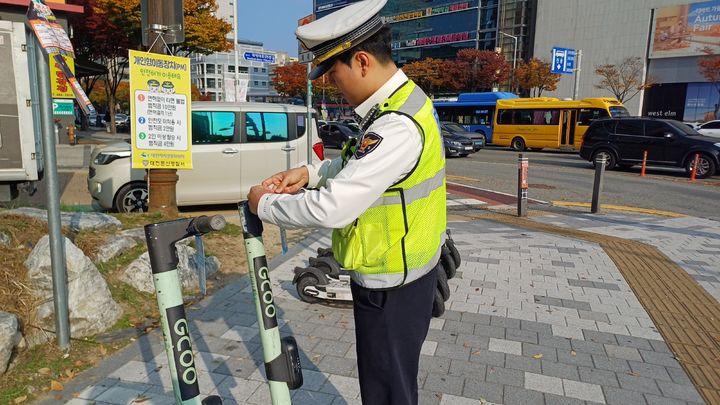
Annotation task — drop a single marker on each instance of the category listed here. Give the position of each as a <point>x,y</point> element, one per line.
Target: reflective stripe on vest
<point>397,239</point>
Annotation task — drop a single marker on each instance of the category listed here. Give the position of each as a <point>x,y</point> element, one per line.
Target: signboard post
<point>161,138</point>
<point>564,62</point>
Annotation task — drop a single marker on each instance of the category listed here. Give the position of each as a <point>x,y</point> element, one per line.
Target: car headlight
<point>456,143</point>
<point>104,158</point>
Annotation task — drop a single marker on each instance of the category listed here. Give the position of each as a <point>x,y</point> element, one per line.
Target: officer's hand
<point>254,195</point>
<point>289,181</point>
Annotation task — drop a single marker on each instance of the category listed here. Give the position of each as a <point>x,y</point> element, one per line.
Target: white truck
<point>21,158</point>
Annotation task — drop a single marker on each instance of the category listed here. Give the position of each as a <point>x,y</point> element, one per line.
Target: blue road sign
<point>563,60</point>
<point>259,57</point>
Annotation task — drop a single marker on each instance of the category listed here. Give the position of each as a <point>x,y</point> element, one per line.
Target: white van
<point>234,146</point>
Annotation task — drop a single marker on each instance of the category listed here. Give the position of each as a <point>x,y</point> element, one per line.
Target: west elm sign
<point>259,57</point>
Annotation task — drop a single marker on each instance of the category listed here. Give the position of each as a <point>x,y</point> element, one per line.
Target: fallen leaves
<point>20,400</point>
<point>56,386</point>
<point>537,356</point>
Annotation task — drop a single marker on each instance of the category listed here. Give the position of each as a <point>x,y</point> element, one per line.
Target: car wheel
<point>518,144</point>
<point>132,197</point>
<point>609,158</point>
<point>705,167</point>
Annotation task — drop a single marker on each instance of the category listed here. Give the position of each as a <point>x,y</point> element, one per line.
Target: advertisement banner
<point>686,30</point>
<point>160,111</point>
<point>59,83</point>
<point>51,35</point>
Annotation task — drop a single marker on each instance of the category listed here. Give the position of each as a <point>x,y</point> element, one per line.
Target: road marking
<point>465,201</point>
<point>620,208</point>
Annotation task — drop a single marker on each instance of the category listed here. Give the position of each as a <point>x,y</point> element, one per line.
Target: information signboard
<point>160,111</point>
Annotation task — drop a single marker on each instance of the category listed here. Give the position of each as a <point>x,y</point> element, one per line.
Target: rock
<point>114,247</point>
<point>136,233</point>
<point>9,338</point>
<point>5,239</point>
<point>139,274</point>
<point>77,221</point>
<point>91,307</point>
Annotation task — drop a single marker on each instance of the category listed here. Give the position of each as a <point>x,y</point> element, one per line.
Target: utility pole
<point>577,74</point>
<point>162,183</point>
<point>235,47</point>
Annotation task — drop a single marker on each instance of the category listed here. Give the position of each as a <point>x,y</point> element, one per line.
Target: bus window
<point>529,117</point>
<point>589,114</point>
<point>618,112</point>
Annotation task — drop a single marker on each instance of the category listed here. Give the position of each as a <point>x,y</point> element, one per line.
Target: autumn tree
<point>481,70</point>
<point>109,28</point>
<point>291,81</point>
<point>624,80</point>
<point>709,66</point>
<point>535,77</point>
<point>433,75</point>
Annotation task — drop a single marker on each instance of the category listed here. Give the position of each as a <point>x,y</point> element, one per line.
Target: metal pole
<point>598,184</point>
<point>522,195</point>
<point>477,26</point>
<point>577,74</point>
<point>57,242</point>
<point>309,115</point>
<point>237,63</point>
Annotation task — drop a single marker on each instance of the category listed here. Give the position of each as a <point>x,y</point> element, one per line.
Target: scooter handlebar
<point>204,224</point>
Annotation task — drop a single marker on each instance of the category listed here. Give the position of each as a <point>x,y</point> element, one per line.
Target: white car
<point>710,128</point>
<point>234,146</point>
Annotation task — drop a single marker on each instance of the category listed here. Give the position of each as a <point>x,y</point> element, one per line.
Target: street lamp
<point>515,41</point>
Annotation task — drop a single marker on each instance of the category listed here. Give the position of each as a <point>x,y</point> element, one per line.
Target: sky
<point>272,22</point>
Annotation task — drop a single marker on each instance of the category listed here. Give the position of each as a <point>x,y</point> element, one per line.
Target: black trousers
<point>390,328</point>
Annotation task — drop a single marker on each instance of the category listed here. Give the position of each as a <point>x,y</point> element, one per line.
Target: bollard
<point>72,139</point>
<point>642,171</point>
<point>693,172</point>
<point>597,185</point>
<point>522,195</point>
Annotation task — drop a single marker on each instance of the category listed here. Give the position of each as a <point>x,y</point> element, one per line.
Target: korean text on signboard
<point>160,111</point>
<point>259,57</point>
<point>686,30</point>
<point>59,84</point>
<point>563,60</point>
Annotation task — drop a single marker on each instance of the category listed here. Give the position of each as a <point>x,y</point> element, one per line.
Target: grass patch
<point>76,208</point>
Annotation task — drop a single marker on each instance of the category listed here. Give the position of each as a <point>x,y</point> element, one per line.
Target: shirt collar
<point>397,80</point>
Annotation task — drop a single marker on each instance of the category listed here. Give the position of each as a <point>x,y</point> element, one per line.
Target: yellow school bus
<point>546,122</point>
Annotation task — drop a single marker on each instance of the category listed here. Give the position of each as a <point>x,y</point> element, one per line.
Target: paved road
<point>564,176</point>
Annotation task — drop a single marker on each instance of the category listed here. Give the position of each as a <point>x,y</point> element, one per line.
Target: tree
<point>481,70</point>
<point>290,80</point>
<point>535,77</point>
<point>709,66</point>
<point>433,75</point>
<point>624,80</point>
<point>109,28</point>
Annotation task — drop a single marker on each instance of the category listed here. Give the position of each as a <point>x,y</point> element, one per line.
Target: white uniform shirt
<point>345,193</point>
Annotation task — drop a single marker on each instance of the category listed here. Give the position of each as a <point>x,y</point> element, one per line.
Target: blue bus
<point>474,111</point>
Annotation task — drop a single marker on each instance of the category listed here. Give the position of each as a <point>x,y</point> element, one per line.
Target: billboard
<point>686,30</point>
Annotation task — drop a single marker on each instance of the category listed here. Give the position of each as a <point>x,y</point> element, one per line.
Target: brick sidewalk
<point>534,318</point>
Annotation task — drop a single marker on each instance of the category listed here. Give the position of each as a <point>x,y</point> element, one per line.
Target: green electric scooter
<point>281,356</point>
<point>161,238</point>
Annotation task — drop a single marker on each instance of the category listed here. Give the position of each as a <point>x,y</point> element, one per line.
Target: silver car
<point>234,146</point>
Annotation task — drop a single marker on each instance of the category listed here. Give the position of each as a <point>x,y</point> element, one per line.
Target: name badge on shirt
<point>370,141</point>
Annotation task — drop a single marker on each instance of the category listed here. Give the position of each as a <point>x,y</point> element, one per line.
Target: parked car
<point>335,134</point>
<point>710,128</point>
<point>122,122</point>
<point>234,146</point>
<point>457,145</point>
<point>455,128</point>
<point>351,123</point>
<point>622,141</point>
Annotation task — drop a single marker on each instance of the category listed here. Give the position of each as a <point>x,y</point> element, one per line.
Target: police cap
<point>338,32</point>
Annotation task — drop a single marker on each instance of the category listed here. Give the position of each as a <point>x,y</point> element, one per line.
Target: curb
<point>636,210</point>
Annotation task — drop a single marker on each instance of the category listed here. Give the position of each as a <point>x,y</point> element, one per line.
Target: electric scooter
<point>161,238</point>
<point>281,356</point>
<point>325,279</point>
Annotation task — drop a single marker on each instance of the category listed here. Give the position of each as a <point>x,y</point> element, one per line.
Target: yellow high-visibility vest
<point>397,240</point>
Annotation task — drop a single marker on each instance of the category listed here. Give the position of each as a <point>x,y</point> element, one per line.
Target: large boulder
<point>77,221</point>
<point>91,306</point>
<point>5,239</point>
<point>114,247</point>
<point>139,274</point>
<point>9,338</point>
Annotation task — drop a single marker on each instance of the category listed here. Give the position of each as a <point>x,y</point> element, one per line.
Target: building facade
<point>439,28</point>
<point>669,36</point>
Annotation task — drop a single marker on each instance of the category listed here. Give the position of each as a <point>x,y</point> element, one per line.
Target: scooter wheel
<point>438,308</point>
<point>324,252</point>
<point>212,400</point>
<point>448,262</point>
<point>307,280</point>
<point>455,254</point>
<point>442,282</point>
<point>328,265</point>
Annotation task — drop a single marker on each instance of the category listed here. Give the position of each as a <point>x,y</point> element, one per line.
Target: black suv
<point>622,142</point>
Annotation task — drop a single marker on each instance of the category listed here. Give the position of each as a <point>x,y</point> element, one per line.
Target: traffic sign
<point>306,57</point>
<point>259,57</point>
<point>63,107</point>
<point>563,60</point>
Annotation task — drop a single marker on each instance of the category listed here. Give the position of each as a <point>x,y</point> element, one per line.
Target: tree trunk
<point>111,107</point>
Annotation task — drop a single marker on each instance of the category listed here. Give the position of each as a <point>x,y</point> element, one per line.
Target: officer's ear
<point>364,61</point>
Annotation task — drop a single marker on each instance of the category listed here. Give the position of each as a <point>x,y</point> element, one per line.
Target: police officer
<point>384,198</point>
